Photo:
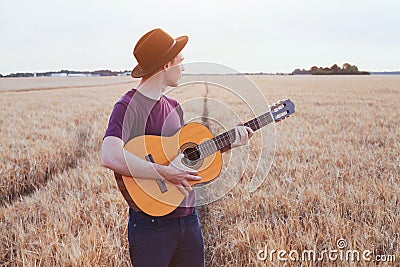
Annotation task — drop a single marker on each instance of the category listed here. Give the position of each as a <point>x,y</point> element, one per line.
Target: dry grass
<point>335,175</point>
<point>48,83</point>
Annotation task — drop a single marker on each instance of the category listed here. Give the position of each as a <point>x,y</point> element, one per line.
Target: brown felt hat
<point>154,49</point>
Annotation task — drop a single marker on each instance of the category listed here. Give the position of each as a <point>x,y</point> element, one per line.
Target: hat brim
<point>181,41</point>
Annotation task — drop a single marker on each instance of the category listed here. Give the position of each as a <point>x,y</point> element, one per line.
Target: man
<point>175,239</point>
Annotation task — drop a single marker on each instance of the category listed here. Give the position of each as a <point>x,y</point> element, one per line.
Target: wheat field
<point>334,175</point>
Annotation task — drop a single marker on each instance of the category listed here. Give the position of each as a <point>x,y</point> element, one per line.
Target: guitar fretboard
<point>227,138</point>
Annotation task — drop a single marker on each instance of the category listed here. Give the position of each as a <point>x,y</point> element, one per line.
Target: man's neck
<point>152,87</point>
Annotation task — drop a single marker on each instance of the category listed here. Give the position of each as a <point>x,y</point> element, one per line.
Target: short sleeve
<point>116,121</point>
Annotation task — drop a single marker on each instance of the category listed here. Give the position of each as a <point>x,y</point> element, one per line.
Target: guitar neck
<point>227,138</point>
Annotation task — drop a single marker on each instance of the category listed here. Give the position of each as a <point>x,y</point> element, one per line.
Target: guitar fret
<point>253,124</point>
<point>260,121</point>
<point>268,117</point>
<point>207,148</point>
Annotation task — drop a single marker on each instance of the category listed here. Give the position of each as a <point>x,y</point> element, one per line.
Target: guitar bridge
<point>161,184</point>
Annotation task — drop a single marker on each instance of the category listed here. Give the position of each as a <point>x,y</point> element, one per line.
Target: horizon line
<point>184,73</point>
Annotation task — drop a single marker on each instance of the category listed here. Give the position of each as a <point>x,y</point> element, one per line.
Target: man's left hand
<point>242,135</point>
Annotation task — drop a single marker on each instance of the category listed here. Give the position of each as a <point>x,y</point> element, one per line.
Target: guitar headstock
<point>282,110</point>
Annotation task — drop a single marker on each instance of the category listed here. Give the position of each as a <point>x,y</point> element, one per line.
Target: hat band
<point>170,48</point>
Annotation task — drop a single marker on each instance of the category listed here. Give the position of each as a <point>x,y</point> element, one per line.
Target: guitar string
<point>209,148</point>
<point>221,139</point>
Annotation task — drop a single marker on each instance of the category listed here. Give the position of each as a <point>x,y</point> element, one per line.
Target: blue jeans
<point>160,242</point>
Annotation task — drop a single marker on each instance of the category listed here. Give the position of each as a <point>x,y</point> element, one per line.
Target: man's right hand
<point>179,174</point>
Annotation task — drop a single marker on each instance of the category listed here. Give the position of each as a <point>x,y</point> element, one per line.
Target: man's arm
<point>111,152</point>
<point>116,158</point>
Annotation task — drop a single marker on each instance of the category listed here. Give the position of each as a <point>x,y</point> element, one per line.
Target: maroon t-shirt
<point>135,115</point>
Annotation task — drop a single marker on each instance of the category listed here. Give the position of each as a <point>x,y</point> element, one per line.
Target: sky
<point>248,36</point>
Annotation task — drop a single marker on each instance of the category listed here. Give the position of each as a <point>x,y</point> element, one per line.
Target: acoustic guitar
<point>201,152</point>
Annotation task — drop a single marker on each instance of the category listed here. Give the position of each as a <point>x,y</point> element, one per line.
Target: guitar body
<point>158,198</point>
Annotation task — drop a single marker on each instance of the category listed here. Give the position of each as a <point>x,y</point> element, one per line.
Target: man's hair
<point>160,68</point>
<point>145,77</point>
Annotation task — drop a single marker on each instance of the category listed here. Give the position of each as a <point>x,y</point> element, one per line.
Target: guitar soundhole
<point>191,155</point>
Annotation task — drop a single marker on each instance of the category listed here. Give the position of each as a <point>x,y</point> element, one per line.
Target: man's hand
<point>242,135</point>
<point>179,174</point>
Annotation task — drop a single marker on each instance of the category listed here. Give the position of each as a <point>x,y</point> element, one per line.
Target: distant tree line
<point>25,74</point>
<point>347,69</point>
<point>300,72</point>
<point>68,72</point>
